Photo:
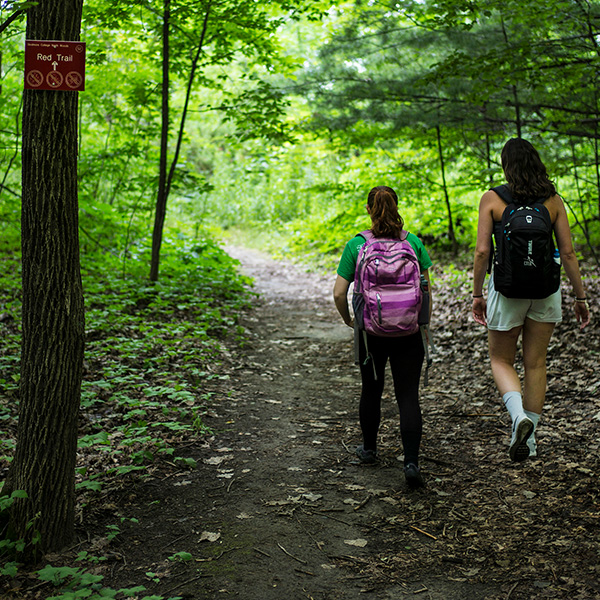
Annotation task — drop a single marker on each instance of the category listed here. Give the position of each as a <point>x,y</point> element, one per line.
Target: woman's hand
<point>582,313</point>
<point>480,310</point>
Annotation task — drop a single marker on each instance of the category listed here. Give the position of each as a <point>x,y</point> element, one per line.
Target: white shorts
<point>505,313</point>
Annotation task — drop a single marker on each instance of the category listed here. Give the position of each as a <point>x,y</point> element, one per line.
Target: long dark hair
<point>383,209</point>
<point>525,172</point>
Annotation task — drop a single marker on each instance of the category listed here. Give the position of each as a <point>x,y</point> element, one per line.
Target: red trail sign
<point>54,65</point>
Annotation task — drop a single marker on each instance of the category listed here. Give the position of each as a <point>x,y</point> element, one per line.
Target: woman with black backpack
<point>394,334</point>
<point>504,214</point>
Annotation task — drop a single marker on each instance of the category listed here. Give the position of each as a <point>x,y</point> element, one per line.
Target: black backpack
<point>526,264</point>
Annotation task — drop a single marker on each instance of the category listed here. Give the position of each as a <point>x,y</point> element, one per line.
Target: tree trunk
<point>161,198</point>
<point>187,101</point>
<point>53,312</point>
<point>451,234</point>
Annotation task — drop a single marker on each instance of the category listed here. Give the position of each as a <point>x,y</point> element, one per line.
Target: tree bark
<point>451,234</point>
<point>53,311</point>
<point>161,198</point>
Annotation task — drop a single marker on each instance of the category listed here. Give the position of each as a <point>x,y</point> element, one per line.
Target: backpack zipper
<point>378,305</point>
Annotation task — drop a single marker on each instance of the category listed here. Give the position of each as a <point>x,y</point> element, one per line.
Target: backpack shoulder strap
<point>367,234</point>
<point>544,212</point>
<point>504,192</point>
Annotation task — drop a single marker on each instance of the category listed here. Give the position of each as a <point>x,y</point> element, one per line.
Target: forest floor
<point>279,508</point>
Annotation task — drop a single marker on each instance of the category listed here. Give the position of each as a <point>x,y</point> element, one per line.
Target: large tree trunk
<point>53,311</point>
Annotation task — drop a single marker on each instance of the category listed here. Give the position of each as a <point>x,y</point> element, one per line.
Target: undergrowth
<point>150,348</point>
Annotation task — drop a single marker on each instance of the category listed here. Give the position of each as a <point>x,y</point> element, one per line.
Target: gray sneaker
<point>521,431</point>
<point>413,476</point>
<point>367,457</point>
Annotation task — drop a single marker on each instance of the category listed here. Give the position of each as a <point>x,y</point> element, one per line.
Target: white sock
<point>514,404</point>
<point>535,417</point>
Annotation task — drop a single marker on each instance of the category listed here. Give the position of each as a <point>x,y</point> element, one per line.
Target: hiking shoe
<point>413,476</point>
<point>521,431</point>
<point>368,457</point>
<point>532,445</point>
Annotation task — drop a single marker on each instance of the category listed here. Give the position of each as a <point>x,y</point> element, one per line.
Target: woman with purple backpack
<point>404,351</point>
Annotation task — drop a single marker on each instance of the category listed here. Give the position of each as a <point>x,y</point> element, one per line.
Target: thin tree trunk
<point>165,186</point>
<point>187,99</point>
<point>451,234</point>
<point>593,38</point>
<point>514,89</point>
<point>53,312</point>
<point>578,187</point>
<point>597,171</point>
<point>517,111</point>
<point>161,199</point>
<point>10,19</point>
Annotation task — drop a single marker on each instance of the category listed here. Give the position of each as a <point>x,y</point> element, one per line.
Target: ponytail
<point>383,209</point>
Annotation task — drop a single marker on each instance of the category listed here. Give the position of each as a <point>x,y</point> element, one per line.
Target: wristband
<point>580,299</point>
<point>479,296</point>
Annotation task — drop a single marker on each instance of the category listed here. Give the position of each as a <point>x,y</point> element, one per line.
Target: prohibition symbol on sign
<point>54,79</point>
<point>35,78</point>
<point>74,79</point>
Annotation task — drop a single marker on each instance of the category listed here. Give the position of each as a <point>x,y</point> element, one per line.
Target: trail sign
<point>54,65</point>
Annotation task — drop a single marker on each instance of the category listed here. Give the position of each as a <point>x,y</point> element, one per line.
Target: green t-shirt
<point>347,264</point>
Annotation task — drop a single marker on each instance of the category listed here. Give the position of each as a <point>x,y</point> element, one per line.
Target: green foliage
<point>150,348</point>
<point>9,546</point>
<point>291,123</point>
<point>7,501</point>
<point>77,583</point>
<point>85,556</point>
<point>181,557</point>
<point>421,96</point>
<point>450,82</point>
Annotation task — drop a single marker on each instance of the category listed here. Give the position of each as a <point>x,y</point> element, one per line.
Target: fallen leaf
<point>391,501</point>
<point>360,543</point>
<point>217,460</point>
<point>354,487</point>
<point>312,497</point>
<point>209,536</point>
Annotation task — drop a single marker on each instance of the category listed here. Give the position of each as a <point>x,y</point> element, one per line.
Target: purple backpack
<point>387,287</point>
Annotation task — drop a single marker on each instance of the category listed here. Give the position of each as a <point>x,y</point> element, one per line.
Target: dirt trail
<point>279,509</point>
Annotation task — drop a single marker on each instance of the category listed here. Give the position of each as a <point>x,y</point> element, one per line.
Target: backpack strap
<point>368,235</point>
<point>427,343</point>
<point>504,192</point>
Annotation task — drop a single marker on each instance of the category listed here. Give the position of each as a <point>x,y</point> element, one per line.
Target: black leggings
<point>406,356</point>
